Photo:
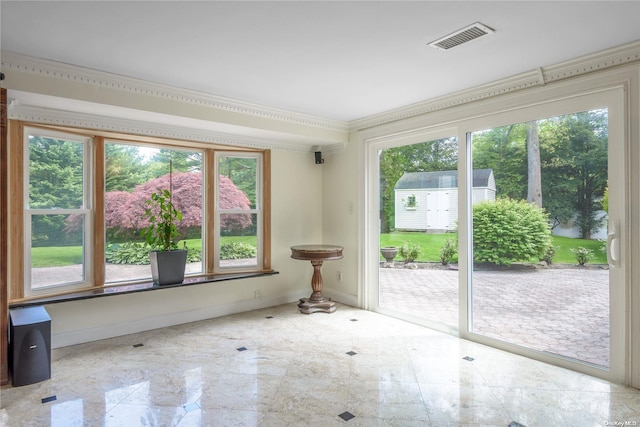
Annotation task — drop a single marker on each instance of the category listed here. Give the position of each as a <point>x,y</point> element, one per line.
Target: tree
<point>55,182</point>
<point>574,150</point>
<point>124,167</point>
<point>438,155</point>
<point>573,164</point>
<point>125,211</point>
<point>55,173</point>
<point>242,172</point>
<point>118,222</point>
<point>182,161</point>
<point>534,172</point>
<point>503,150</point>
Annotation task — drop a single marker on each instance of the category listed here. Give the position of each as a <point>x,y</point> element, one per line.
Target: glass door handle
<point>613,245</point>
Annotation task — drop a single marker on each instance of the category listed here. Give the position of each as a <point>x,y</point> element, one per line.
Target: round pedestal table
<point>317,254</point>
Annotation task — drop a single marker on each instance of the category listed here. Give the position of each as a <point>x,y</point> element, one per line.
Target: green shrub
<point>549,254</point>
<point>193,254</point>
<point>583,255</point>
<point>506,231</point>
<point>409,251</point>
<point>127,253</point>
<point>138,253</point>
<point>448,251</point>
<point>237,250</point>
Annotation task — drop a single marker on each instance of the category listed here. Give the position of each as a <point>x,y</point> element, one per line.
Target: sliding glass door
<point>418,275</point>
<point>517,239</point>
<point>540,273</point>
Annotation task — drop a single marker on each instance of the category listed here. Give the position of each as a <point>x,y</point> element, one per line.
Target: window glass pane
<point>132,174</point>
<point>57,250</point>
<point>55,173</point>
<point>238,241</point>
<point>419,229</point>
<point>238,182</point>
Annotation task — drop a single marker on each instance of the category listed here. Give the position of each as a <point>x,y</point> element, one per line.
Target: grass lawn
<point>430,245</point>
<point>58,256</point>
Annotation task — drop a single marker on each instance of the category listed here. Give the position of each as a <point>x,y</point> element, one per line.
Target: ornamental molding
<point>57,70</point>
<point>614,57</point>
<point>599,61</point>
<point>41,115</point>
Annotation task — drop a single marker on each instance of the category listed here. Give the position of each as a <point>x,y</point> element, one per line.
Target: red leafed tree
<point>231,197</point>
<point>125,211</point>
<point>116,205</point>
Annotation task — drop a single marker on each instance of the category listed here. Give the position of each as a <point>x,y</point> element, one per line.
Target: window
<point>79,202</point>
<point>132,174</point>
<point>238,211</point>
<point>57,212</point>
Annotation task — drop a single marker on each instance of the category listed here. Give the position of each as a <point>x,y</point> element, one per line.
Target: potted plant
<point>167,261</point>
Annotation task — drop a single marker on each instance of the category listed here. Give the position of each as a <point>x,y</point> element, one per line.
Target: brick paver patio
<point>561,311</point>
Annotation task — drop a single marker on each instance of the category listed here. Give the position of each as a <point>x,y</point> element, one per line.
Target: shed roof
<point>441,179</point>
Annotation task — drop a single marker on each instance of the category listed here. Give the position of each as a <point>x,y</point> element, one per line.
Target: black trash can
<point>29,345</point>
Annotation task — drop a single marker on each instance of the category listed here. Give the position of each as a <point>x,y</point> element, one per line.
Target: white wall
<point>340,212</point>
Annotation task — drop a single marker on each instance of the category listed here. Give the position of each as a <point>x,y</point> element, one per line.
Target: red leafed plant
<point>125,212</point>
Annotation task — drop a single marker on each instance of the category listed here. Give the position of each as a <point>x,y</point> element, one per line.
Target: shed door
<point>437,210</point>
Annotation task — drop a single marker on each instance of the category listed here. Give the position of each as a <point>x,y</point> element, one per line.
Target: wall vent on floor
<point>463,35</point>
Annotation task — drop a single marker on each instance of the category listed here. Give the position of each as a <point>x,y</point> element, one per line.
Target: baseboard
<point>119,329</point>
<point>340,297</point>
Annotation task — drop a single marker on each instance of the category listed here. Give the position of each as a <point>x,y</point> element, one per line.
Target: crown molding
<point>74,119</point>
<point>56,70</point>
<point>617,56</point>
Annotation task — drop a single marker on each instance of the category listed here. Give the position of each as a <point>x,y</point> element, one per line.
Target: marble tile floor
<point>277,367</point>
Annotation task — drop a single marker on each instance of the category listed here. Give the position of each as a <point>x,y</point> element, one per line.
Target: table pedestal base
<point>307,306</point>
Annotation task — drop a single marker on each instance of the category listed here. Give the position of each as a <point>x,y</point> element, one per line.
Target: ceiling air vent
<point>463,35</point>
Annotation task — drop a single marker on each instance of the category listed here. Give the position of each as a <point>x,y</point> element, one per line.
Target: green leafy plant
<point>132,253</point>
<point>127,253</point>
<point>193,254</point>
<point>549,254</point>
<point>162,232</point>
<point>409,252</point>
<point>448,251</point>
<point>506,231</point>
<point>237,250</point>
<point>583,255</point>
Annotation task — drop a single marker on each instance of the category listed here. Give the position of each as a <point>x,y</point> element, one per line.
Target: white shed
<point>428,201</point>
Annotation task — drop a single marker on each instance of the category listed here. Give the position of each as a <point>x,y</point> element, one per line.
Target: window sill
<point>135,288</point>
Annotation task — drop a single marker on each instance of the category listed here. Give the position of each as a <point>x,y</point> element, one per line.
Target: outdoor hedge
<point>507,231</point>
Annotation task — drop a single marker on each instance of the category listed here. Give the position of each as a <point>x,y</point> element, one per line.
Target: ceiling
<point>333,59</point>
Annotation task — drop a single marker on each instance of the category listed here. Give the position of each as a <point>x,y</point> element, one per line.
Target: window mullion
<point>97,185</point>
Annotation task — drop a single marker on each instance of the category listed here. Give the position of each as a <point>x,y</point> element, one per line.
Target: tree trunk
<point>534,186</point>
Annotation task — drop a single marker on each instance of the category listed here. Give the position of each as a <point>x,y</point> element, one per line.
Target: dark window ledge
<point>137,287</point>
